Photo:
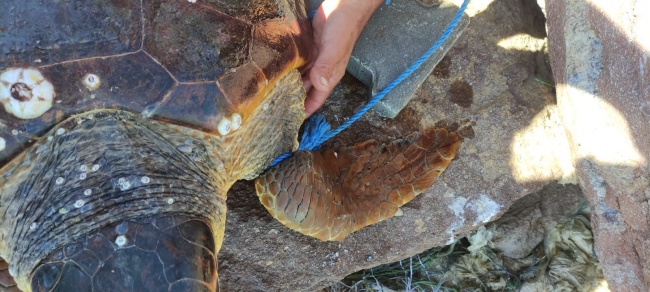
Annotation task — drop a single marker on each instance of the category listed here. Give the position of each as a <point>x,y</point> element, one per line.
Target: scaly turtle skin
<point>125,123</point>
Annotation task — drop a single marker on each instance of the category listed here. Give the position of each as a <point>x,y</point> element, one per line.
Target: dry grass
<point>564,261</point>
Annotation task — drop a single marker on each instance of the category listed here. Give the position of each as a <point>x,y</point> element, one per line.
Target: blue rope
<point>317,130</point>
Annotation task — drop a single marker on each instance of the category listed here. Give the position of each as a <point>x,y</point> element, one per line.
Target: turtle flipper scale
<point>329,195</point>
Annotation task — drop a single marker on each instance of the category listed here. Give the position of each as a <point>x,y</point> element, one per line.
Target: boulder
<point>532,217</point>
<point>599,53</point>
<point>493,87</point>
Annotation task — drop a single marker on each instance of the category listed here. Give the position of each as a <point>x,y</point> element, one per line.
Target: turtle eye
<point>91,81</point>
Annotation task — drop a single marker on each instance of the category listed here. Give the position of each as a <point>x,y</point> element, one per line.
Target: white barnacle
<point>64,211</point>
<point>120,240</point>
<point>50,138</point>
<point>60,180</point>
<point>121,181</point>
<point>79,203</point>
<point>125,186</point>
<point>236,121</point>
<point>92,96</point>
<point>33,226</point>
<point>60,131</point>
<point>95,167</point>
<point>83,168</point>
<point>91,81</point>
<point>224,127</point>
<point>3,143</point>
<point>170,201</point>
<point>41,148</point>
<point>25,93</point>
<point>14,132</point>
<point>185,148</point>
<point>88,192</point>
<point>145,179</point>
<point>265,106</point>
<point>82,175</point>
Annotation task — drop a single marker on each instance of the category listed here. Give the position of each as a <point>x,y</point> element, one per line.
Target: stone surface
<point>529,219</point>
<point>395,37</point>
<point>513,146</point>
<point>599,51</point>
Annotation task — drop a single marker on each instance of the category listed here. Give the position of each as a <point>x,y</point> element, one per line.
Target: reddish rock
<point>599,55</point>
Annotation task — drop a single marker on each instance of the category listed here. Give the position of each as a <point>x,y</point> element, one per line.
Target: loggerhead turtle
<point>125,122</point>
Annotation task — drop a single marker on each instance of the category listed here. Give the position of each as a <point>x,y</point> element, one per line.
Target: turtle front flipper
<point>329,195</point>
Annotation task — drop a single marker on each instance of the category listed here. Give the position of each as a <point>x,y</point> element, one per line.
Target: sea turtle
<point>125,122</point>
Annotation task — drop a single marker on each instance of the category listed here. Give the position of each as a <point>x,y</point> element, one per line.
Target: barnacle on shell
<point>91,81</point>
<point>25,93</point>
<point>224,127</point>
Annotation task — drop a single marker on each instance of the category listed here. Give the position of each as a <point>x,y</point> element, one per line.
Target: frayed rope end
<point>315,129</point>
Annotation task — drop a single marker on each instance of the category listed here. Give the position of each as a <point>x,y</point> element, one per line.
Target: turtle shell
<point>199,64</point>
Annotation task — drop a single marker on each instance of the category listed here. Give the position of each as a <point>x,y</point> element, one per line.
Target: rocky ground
<point>496,87</point>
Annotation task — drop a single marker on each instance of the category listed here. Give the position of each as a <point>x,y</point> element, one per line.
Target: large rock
<point>514,145</point>
<point>531,218</point>
<point>599,55</point>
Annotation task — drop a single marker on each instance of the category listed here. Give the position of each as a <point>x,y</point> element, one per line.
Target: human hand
<point>337,25</point>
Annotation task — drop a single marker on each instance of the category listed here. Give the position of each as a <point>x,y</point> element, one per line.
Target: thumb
<point>326,72</point>
<point>323,75</point>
